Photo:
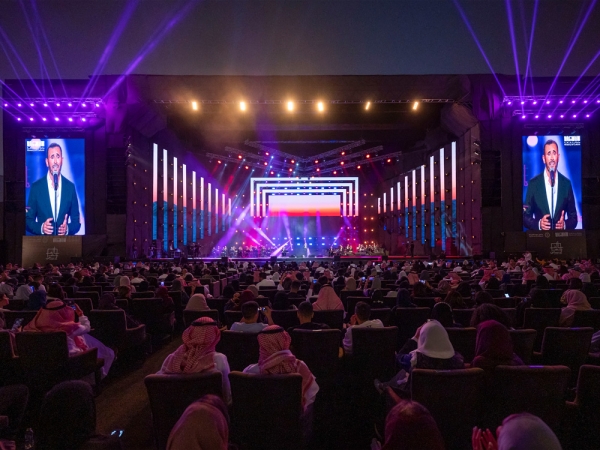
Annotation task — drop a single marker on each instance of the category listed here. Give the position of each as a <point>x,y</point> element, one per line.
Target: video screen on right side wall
<point>552,182</point>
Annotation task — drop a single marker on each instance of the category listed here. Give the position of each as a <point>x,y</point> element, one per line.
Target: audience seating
<point>45,359</point>
<point>85,304</point>
<point>463,341</point>
<point>285,319</point>
<point>539,319</point>
<point>266,411</point>
<point>11,316</point>
<point>506,302</point>
<point>553,296</point>
<point>150,312</point>
<point>594,302</point>
<point>512,315</point>
<point>383,314</point>
<point>565,346</point>
<point>373,352</point>
<point>240,348</point>
<point>352,301</point>
<point>10,368</point>
<point>408,320</point>
<point>590,318</point>
<point>462,316</point>
<point>122,303</point>
<point>333,318</point>
<point>219,305</point>
<point>523,341</point>
<point>110,328</point>
<point>148,294</point>
<point>170,395</point>
<point>93,296</point>
<point>586,434</point>
<point>453,397</point>
<point>232,317</point>
<point>189,316</point>
<point>345,294</point>
<point>16,305</point>
<point>539,390</point>
<point>319,349</point>
<point>424,302</point>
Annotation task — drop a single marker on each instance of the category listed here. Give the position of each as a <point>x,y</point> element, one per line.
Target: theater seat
<point>266,411</point>
<point>586,433</point>
<point>170,395</point>
<point>110,328</point>
<point>189,316</point>
<point>540,318</point>
<point>240,348</point>
<point>319,349</point>
<point>463,340</point>
<point>523,341</point>
<point>333,318</point>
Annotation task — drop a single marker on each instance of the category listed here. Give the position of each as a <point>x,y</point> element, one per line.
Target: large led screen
<point>55,187</point>
<point>552,182</point>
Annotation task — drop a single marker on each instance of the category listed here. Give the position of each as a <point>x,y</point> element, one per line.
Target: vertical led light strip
<point>216,211</point>
<point>398,204</point>
<point>223,215</point>
<point>155,192</point>
<point>201,207</point>
<point>194,206</point>
<point>406,205</point>
<point>208,211</point>
<point>391,199</point>
<point>384,201</point>
<point>175,233</point>
<point>442,199</point>
<point>432,198</point>
<point>184,206</point>
<point>165,203</point>
<point>423,205</point>
<point>378,205</point>
<point>414,204</point>
<point>454,236</point>
<point>229,200</point>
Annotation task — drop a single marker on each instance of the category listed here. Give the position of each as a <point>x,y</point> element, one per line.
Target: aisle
<point>124,402</point>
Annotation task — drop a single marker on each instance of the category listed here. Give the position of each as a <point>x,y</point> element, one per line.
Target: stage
<point>351,259</point>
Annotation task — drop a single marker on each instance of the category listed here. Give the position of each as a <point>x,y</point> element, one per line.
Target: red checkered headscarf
<point>275,356</point>
<point>196,352</point>
<point>57,316</point>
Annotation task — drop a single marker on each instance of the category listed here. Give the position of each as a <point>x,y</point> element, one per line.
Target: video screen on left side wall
<point>55,186</point>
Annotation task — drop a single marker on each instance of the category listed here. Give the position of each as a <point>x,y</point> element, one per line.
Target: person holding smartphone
<point>250,318</point>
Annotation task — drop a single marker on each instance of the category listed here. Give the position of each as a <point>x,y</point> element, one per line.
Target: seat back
<point>11,316</point>
<point>189,316</point>
<point>589,318</point>
<point>352,301</point>
<point>373,351</point>
<point>587,431</point>
<point>92,295</point>
<point>424,302</point>
<point>462,316</point>
<point>109,327</point>
<point>512,315</point>
<point>6,350</point>
<point>147,310</point>
<point>495,292</point>
<point>345,294</point>
<point>16,305</point>
<point>266,411</point>
<point>539,390</point>
<point>232,317</point>
<point>84,303</point>
<point>319,349</point>
<point>538,319</point>
<point>218,304</point>
<point>453,397</point>
<point>523,341</point>
<point>42,349</point>
<point>240,348</point>
<point>463,341</point>
<point>170,395</point>
<point>383,314</point>
<point>554,296</point>
<point>142,295</point>
<point>285,319</point>
<point>566,346</point>
<point>408,320</point>
<point>506,302</point>
<point>333,318</point>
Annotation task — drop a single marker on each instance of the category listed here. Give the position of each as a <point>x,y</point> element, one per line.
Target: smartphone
<point>363,278</point>
<point>31,288</point>
<point>506,295</point>
<point>74,307</point>
<point>17,324</point>
<point>422,281</point>
<point>315,281</point>
<point>162,283</point>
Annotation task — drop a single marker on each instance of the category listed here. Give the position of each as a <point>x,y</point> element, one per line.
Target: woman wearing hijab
<point>117,282</point>
<point>125,281</point>
<point>576,301</point>
<point>57,316</point>
<point>494,347</point>
<point>108,303</point>
<point>197,353</point>
<point>327,300</point>
<point>410,426</point>
<point>36,300</point>
<point>275,357</point>
<point>350,285</point>
<point>522,431</point>
<point>168,305</point>
<point>432,350</point>
<point>197,303</point>
<point>489,311</point>
<point>177,286</point>
<point>203,425</point>
<point>23,292</point>
<point>403,299</point>
<point>68,419</point>
<point>455,300</point>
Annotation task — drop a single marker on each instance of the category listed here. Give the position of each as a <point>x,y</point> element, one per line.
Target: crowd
<point>254,292</point>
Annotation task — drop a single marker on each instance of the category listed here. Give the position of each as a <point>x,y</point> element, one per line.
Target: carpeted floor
<point>123,403</point>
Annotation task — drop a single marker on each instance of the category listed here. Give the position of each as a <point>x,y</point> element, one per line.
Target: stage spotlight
<point>562,116</point>
<point>342,163</point>
<point>316,161</point>
<point>560,102</point>
<point>239,156</point>
<point>195,106</point>
<point>69,104</point>
<point>6,105</point>
<point>19,105</point>
<point>83,119</point>
<point>293,161</point>
<point>242,106</point>
<point>549,116</point>
<point>522,102</point>
<point>535,102</point>
<point>537,117</point>
<point>368,156</point>
<point>358,167</point>
<point>290,106</point>
<point>587,115</point>
<point>56,119</point>
<point>368,105</point>
<point>31,119</point>
<point>18,119</point>
<point>266,163</point>
<point>218,161</point>
<point>318,170</point>
<point>574,116</point>
<point>58,104</point>
<point>509,103</point>
<point>272,173</point>
<point>547,102</point>
<point>97,105</point>
<point>320,107</point>
<point>31,104</point>
<point>84,105</point>
<point>267,154</point>
<point>523,117</point>
<point>573,101</point>
<point>290,170</point>
<point>246,167</point>
<point>44,119</point>
<point>46,104</point>
<point>70,119</point>
<point>415,106</point>
<point>389,160</point>
<point>335,172</point>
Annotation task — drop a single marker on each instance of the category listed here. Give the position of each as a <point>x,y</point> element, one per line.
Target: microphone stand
<point>55,204</point>
<point>552,210</point>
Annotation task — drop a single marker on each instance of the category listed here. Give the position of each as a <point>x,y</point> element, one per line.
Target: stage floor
<point>348,259</point>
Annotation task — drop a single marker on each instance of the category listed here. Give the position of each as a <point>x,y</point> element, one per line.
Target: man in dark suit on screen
<point>549,202</point>
<point>52,207</point>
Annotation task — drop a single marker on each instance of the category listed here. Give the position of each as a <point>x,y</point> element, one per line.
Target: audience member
<point>327,300</point>
<point>305,315</point>
<point>494,347</point>
<point>489,311</point>
<point>575,301</point>
<point>108,303</point>
<point>177,286</point>
<point>249,322</point>
<point>281,302</point>
<point>197,353</point>
<point>360,319</point>
<point>167,302</point>
<point>36,300</point>
<point>23,292</point>
<point>442,312</point>
<point>203,425</point>
<point>275,357</point>
<point>197,303</point>
<point>403,299</point>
